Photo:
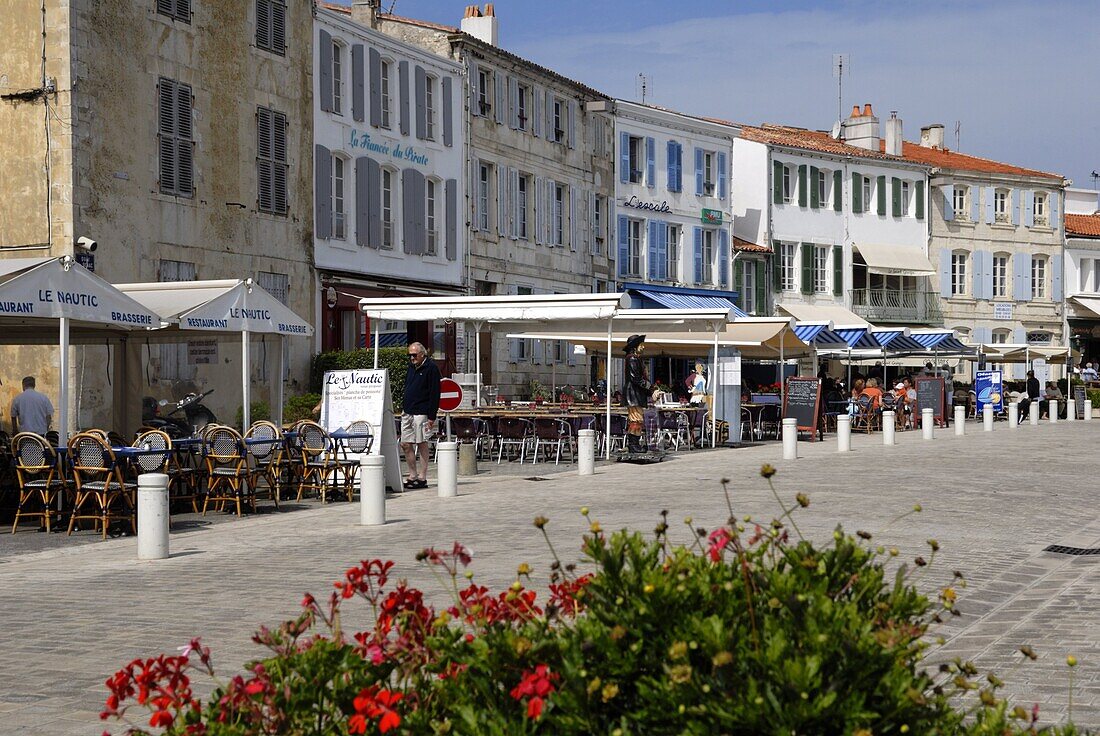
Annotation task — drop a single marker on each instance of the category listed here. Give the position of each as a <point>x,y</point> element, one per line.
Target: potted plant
<point>537,392</point>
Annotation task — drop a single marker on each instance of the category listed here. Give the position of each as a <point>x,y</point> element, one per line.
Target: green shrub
<point>300,407</point>
<point>260,411</point>
<point>394,360</point>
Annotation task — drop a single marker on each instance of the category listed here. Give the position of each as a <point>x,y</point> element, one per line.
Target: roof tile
<point>1086,225</point>
<point>810,140</point>
<point>745,246</point>
<point>948,159</point>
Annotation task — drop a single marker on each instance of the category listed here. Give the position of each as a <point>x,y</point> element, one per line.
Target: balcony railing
<point>895,305</point>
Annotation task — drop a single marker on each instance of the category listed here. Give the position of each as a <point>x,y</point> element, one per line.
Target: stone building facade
<point>177,134</point>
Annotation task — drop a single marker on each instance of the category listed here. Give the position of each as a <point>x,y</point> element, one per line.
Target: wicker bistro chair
<point>514,431</point>
<point>866,418</point>
<point>226,470</point>
<point>264,446</point>
<point>350,449</point>
<point>37,476</point>
<point>181,480</point>
<point>101,493</point>
<point>552,432</point>
<point>320,464</point>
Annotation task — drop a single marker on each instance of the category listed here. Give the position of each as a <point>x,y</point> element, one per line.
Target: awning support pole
<point>477,364</point>
<point>63,385</point>
<point>782,370</point>
<point>607,394</point>
<point>280,372</point>
<point>246,399</point>
<point>712,384</point>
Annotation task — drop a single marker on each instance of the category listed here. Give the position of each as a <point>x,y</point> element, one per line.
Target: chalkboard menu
<point>1079,396</point>
<point>930,395</point>
<point>803,402</point>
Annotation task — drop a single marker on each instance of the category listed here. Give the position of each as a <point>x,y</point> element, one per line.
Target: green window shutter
<point>838,190</point>
<point>807,268</point>
<point>738,279</point>
<point>880,190</point>
<point>777,267</point>
<point>857,192</point>
<point>814,200</point>
<point>802,185</point>
<point>761,288</point>
<point>838,270</point>
<point>895,187</point>
<point>777,182</point>
<point>920,200</point>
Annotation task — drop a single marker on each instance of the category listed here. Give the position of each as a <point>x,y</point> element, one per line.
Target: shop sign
<point>638,204</point>
<point>202,352</point>
<point>1002,310</point>
<point>712,217</point>
<point>87,260</point>
<point>363,141</point>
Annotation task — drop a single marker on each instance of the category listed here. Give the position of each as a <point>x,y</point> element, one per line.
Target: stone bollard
<point>889,425</point>
<point>446,469</point>
<point>960,421</point>
<point>1013,414</point>
<point>843,433</point>
<point>1088,410</point>
<point>987,417</point>
<point>372,490</point>
<point>1033,413</point>
<point>1071,410</point>
<point>1054,411</point>
<point>152,516</point>
<point>586,452</point>
<point>790,439</point>
<point>467,459</point>
<point>927,423</point>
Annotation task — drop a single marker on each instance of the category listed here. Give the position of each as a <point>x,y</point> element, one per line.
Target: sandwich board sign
<point>989,390</point>
<point>349,396</point>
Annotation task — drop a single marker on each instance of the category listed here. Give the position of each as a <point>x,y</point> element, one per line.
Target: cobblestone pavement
<point>994,501</point>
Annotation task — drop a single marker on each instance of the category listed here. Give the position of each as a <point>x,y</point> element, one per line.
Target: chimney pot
<point>490,11</point>
<point>855,111</point>
<point>483,27</point>
<point>867,110</point>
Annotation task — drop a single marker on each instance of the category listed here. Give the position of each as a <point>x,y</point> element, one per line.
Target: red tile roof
<point>346,10</point>
<point>947,159</point>
<point>810,140</point>
<point>747,247</point>
<point>1083,225</point>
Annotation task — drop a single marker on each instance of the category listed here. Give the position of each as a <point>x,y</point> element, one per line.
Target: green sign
<point>712,217</point>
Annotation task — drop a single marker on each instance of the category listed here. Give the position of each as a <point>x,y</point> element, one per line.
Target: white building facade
<point>390,182</point>
<point>1082,272</point>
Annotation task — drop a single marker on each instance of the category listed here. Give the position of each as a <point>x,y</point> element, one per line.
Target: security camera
<point>86,244</point>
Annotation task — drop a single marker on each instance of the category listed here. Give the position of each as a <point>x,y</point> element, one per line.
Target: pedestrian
<point>419,410</point>
<point>636,390</point>
<point>31,411</point>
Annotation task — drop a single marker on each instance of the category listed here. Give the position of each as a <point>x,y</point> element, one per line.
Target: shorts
<point>414,428</point>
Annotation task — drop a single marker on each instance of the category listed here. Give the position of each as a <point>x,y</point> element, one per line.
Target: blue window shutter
<point>1029,208</point>
<point>650,162</point>
<point>670,160</point>
<point>624,239</point>
<point>624,156</point>
<point>722,161</point>
<point>975,204</point>
<point>358,87</point>
<point>325,43</point>
<point>1056,278</point>
<point>697,254</point>
<point>403,106</point>
<point>322,218</point>
<point>1014,216</point>
<point>679,167</point>
<point>945,273</point>
<point>1019,336</point>
<point>662,251</point>
<point>651,251</point>
<point>948,202</point>
<point>1021,277</point>
<point>990,197</point>
<point>538,113</point>
<point>699,172</point>
<point>447,112</point>
<point>420,84</point>
<point>976,274</point>
<point>724,258</point>
<point>987,275</point>
<point>1052,205</point>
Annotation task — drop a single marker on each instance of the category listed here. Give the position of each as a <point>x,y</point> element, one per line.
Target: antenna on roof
<point>1095,176</point>
<point>841,62</point>
<point>958,131</point>
<point>643,86</point>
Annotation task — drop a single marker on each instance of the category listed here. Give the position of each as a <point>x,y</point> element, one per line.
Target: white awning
<point>1090,304</point>
<point>52,288</point>
<point>835,313</point>
<point>218,306</point>
<point>511,308</point>
<point>896,259</point>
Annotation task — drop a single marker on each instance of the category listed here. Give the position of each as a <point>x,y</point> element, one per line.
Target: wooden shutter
<point>880,191</point>
<point>322,191</point>
<point>624,244</point>
<point>920,200</point>
<point>447,110</point>
<point>263,22</point>
<point>807,268</point>
<point>502,200</point>
<point>948,202</point>
<point>662,251</point>
<point>498,97</point>
<point>280,165</point>
<point>183,10</point>
<point>815,199</point>
<point>278,27</point>
<point>450,188</point>
<point>374,74</point>
<point>358,83</point>
<point>975,204</point>
<point>1014,214</point>
<point>1056,277</point>
<point>838,190</point>
<point>777,267</point>
<point>513,103</point>
<point>761,288</point>
<point>368,202</point>
<point>325,44</point>
<point>838,270</point>
<point>413,206</point>
<point>697,254</point>
<point>857,192</point>
<point>945,273</point>
<point>571,128</point>
<point>990,205</point>
<point>185,174</point>
<point>421,83</point>
<point>403,103</point>
<point>1021,276</point>
<point>1029,208</point>
<point>777,182</point>
<point>724,258</point>
<point>264,146</point>
<point>699,172</point>
<point>650,162</point>
<point>739,280</point>
<point>624,157</point>
<point>722,182</point>
<point>166,134</point>
<point>670,166</point>
<point>573,237</point>
<point>802,198</point>
<point>895,191</point>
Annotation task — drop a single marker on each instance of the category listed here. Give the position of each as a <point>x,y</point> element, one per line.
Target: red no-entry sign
<point>450,395</point>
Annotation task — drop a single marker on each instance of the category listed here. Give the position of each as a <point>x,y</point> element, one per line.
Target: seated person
<point>1089,373</point>
<point>1052,392</point>
<point>874,392</point>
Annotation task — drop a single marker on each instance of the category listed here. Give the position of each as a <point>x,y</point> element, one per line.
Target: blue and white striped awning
<point>858,338</point>
<point>941,342</point>
<point>671,300</point>
<point>810,332</point>
<point>896,341</point>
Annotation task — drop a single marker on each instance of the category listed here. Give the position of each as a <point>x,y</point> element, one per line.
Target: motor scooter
<point>195,415</point>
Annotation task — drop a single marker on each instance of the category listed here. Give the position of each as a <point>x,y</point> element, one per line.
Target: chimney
<point>861,129</point>
<point>931,136</point>
<point>893,135</point>
<point>482,26</point>
<point>365,13</point>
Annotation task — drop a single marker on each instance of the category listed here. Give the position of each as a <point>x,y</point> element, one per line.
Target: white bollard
<point>1088,410</point>
<point>372,490</point>
<point>987,417</point>
<point>446,468</point>
<point>1013,414</point>
<point>1033,413</point>
<point>843,433</point>
<point>152,516</point>
<point>960,420</point>
<point>1071,410</point>
<point>889,424</point>
<point>1053,411</point>
<point>790,439</point>
<point>586,452</point>
<point>927,423</point>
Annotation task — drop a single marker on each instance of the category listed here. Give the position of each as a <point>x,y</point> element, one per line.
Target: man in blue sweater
<point>420,407</point>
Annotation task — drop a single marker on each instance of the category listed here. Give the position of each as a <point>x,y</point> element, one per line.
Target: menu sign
<point>802,401</point>
<point>930,395</point>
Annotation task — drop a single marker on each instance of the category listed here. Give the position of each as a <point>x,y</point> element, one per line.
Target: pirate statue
<point>636,391</point>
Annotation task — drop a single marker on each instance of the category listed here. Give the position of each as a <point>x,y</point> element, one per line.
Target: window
<point>278,285</point>
<point>337,77</point>
<point>1000,275</point>
<point>174,365</point>
<point>866,194</point>
<point>271,26</point>
<point>557,237</point>
<point>708,256</point>
<point>958,273</point>
<point>339,230</point>
<point>787,176</point>
<point>1000,336</point>
<point>710,173</point>
<point>786,267</point>
<point>673,258</point>
<point>523,98</point>
<point>637,158</point>
<point>598,208</point>
<point>429,107</point>
<point>1084,274</point>
<point>483,175</point>
<point>175,9</point>
<point>748,286</point>
<point>559,121</point>
<point>389,180</point>
<point>431,209</point>
<point>821,268</point>
<point>176,149</point>
<point>384,69</point>
<point>821,185</point>
<point>521,206</point>
<point>1038,277</point>
<point>1041,209</point>
<point>905,198</point>
<point>271,161</point>
<point>1000,205</point>
<point>633,265</point>
<point>484,92</point>
<point>962,207</point>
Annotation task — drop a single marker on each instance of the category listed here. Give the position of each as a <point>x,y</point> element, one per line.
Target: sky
<point>1022,78</point>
